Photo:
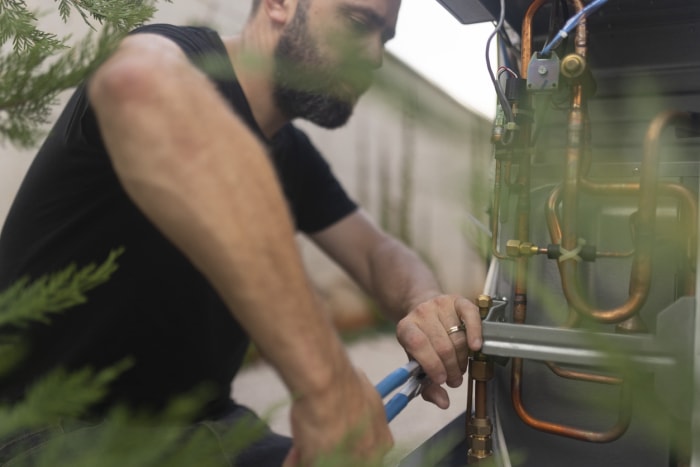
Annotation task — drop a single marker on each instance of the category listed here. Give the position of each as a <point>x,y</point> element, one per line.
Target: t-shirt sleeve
<point>184,37</point>
<point>83,128</point>
<point>317,198</point>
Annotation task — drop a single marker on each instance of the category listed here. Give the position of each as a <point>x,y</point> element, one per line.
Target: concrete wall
<point>412,156</point>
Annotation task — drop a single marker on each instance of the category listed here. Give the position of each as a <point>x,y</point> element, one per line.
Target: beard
<point>308,86</point>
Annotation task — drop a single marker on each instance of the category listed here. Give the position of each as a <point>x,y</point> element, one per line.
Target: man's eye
<point>360,25</point>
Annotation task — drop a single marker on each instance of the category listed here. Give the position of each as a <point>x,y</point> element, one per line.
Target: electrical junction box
<point>469,11</point>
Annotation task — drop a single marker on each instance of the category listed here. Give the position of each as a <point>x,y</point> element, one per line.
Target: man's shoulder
<point>193,40</point>
<point>173,29</point>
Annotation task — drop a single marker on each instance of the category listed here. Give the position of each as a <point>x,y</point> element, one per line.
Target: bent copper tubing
<point>582,376</point>
<point>612,434</point>
<point>683,196</point>
<point>555,234</point>
<point>520,305</point>
<point>640,279</point>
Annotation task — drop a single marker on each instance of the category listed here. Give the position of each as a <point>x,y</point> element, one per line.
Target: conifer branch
<point>23,303</point>
<point>40,65</point>
<point>59,395</point>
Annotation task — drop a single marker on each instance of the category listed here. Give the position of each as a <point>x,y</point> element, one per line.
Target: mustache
<point>307,77</point>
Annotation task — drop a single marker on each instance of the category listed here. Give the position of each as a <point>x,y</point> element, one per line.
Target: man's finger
<point>469,313</point>
<point>437,395</point>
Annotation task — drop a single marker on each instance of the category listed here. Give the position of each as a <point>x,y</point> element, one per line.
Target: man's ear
<point>280,12</point>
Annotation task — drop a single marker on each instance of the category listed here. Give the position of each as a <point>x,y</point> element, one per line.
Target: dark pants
<point>65,439</point>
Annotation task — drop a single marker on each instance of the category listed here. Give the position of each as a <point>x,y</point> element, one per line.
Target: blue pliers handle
<point>411,376</point>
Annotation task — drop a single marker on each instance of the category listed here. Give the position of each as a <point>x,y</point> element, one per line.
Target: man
<point>171,163</point>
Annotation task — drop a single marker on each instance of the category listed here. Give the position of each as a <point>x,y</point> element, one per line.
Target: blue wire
<point>571,25</point>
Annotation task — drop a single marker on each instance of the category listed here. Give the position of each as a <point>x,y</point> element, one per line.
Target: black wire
<point>502,100</point>
<point>565,8</point>
<point>511,53</point>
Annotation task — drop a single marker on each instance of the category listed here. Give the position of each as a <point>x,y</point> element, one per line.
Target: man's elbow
<point>135,72</point>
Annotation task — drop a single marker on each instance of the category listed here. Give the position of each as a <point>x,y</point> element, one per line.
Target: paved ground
<point>259,387</point>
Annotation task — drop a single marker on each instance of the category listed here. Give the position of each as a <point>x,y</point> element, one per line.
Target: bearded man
<point>180,149</point>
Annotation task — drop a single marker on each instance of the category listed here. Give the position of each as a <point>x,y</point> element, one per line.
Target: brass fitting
<point>484,302</point>
<point>481,370</point>
<point>516,249</point>
<point>480,427</point>
<point>480,443</point>
<point>573,66</point>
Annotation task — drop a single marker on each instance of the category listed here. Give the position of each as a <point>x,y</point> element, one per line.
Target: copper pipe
<point>480,402</point>
<point>526,36</point>
<point>582,376</point>
<point>581,41</point>
<point>640,279</point>
<point>683,196</point>
<point>612,434</point>
<point>495,214</point>
<point>553,224</point>
<point>570,189</point>
<point>555,234</point>
<point>507,173</point>
<point>614,254</point>
<point>520,305</point>
<point>470,383</point>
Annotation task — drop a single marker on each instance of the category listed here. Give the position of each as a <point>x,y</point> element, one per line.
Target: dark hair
<point>256,4</point>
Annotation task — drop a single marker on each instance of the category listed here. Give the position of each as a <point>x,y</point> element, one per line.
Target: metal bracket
<point>543,73</point>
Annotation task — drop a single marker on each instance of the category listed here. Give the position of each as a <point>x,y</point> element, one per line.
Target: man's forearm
<point>202,178</point>
<point>399,279</point>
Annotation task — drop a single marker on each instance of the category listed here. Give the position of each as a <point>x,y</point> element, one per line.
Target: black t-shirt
<point>156,308</point>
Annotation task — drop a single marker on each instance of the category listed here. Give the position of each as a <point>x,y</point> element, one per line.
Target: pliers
<point>414,378</point>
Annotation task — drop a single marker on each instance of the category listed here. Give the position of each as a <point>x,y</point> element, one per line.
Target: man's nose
<point>375,52</point>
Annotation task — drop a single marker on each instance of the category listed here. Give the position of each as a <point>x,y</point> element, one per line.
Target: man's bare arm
<point>205,181</point>
<point>405,287</point>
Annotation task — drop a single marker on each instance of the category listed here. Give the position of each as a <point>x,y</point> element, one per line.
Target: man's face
<point>327,54</point>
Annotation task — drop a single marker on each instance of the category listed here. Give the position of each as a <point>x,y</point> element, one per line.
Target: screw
<point>542,70</point>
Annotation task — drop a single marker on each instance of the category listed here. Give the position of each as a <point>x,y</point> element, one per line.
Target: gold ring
<point>454,329</point>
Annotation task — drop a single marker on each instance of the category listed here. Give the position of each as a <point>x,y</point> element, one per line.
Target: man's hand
<point>347,420</point>
<point>409,292</point>
<point>425,335</point>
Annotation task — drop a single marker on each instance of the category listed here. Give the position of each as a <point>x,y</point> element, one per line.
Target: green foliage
<point>23,303</point>
<point>58,395</point>
<point>38,65</point>
<point>55,403</point>
<point>166,439</point>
